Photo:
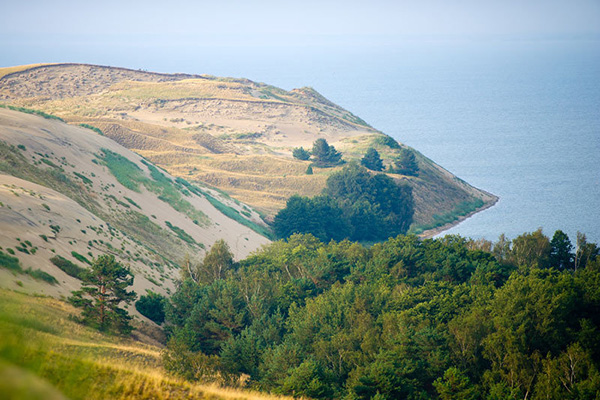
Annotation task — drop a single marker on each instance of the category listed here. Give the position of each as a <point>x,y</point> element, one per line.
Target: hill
<point>233,134</point>
<point>45,355</point>
<point>67,191</point>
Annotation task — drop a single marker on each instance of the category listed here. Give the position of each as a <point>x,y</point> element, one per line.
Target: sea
<point>517,117</point>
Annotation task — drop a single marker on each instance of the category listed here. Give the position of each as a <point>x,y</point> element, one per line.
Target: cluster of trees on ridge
<point>355,204</point>
<point>448,318</point>
<point>325,155</point>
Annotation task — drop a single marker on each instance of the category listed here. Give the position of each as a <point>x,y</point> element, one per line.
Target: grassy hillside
<point>45,355</point>
<point>232,134</point>
<point>69,191</point>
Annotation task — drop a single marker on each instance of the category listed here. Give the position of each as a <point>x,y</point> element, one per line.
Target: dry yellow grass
<point>179,124</point>
<point>9,70</point>
<point>188,88</point>
<point>42,347</point>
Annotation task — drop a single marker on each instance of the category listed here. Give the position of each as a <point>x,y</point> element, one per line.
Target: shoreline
<point>428,234</point>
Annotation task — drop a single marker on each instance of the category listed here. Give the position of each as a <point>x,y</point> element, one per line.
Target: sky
<point>273,21</point>
<point>175,35</point>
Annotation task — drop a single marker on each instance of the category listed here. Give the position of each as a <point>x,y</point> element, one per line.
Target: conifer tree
<point>372,160</point>
<point>324,154</point>
<point>103,290</point>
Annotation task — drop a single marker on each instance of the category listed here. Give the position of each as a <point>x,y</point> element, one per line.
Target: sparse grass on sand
<point>10,70</point>
<point>44,354</point>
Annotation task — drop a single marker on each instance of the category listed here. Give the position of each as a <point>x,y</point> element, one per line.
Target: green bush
<point>97,130</point>
<point>30,111</point>
<point>10,263</point>
<point>68,267</point>
<point>41,276</point>
<point>152,306</point>
<point>301,154</point>
<point>81,257</point>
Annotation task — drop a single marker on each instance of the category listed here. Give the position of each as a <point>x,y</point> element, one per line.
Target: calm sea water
<point>520,119</point>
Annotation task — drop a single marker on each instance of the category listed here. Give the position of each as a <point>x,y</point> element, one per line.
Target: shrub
<point>8,262</point>
<point>405,163</point>
<point>80,257</point>
<point>301,154</point>
<point>387,141</point>
<point>68,267</point>
<point>152,306</point>
<point>41,276</point>
<point>97,130</point>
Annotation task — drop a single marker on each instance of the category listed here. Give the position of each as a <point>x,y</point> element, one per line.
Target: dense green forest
<point>449,318</point>
<point>356,204</point>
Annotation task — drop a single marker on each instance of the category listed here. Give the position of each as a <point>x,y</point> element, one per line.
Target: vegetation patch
<point>84,178</point>
<point>68,267</point>
<point>131,176</point>
<point>152,306</point>
<point>385,140</point>
<point>355,204</point>
<point>183,235</point>
<point>97,130</point>
<point>50,163</point>
<point>14,163</point>
<point>127,173</point>
<point>462,209</point>
<point>235,215</point>
<point>31,111</point>
<point>12,264</point>
<point>81,257</point>
<point>41,276</point>
<point>119,202</point>
<point>133,203</point>
<point>402,319</point>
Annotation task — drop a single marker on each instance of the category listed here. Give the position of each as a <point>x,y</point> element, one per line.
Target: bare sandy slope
<point>234,134</point>
<point>152,249</point>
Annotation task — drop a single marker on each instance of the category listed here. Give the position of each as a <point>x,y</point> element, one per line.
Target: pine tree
<point>372,160</point>
<point>561,251</point>
<point>103,289</point>
<point>300,153</point>
<point>405,163</point>
<point>325,155</point>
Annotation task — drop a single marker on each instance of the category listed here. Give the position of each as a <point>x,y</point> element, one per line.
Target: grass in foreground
<point>45,355</point>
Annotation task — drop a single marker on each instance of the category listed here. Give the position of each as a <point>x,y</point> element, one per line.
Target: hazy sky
<point>185,35</point>
<point>232,20</point>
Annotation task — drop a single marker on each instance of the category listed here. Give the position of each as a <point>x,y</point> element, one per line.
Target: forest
<point>447,318</point>
<point>355,205</point>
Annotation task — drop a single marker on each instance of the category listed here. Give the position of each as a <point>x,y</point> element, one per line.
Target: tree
<point>561,251</point>
<point>584,252</point>
<point>319,216</point>
<point>152,306</point>
<point>531,250</point>
<point>372,160</point>
<point>216,263</point>
<point>301,154</point>
<point>309,170</point>
<point>324,154</point>
<point>376,205</point>
<point>405,163</point>
<point>103,289</point>
<point>455,386</point>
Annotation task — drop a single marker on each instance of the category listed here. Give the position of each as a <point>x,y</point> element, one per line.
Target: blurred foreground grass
<point>46,355</point>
